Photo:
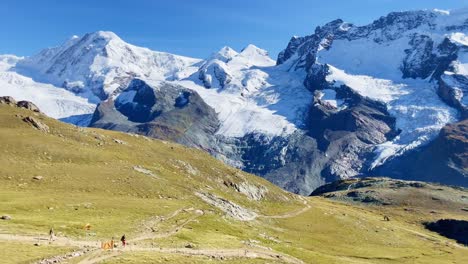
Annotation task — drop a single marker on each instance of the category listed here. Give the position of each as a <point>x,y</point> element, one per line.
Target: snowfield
<point>53,101</point>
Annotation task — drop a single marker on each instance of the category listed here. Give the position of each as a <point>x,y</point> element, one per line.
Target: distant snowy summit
<point>98,63</point>
<point>345,101</point>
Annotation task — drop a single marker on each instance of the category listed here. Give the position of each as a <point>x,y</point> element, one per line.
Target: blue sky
<point>188,27</point>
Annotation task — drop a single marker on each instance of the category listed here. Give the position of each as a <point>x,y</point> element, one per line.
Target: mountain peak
<point>256,56</point>
<point>252,49</point>
<point>107,35</point>
<point>225,54</point>
<point>227,49</point>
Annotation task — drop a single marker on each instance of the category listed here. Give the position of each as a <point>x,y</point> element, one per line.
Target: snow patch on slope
<point>367,57</point>
<point>329,96</point>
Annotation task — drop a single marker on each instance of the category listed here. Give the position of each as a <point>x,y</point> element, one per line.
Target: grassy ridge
<point>120,183</point>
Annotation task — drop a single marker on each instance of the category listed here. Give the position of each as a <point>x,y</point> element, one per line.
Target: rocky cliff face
<point>443,160</point>
<point>163,111</point>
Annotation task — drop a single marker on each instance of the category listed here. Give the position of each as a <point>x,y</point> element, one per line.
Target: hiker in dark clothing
<point>51,234</point>
<point>123,241</point>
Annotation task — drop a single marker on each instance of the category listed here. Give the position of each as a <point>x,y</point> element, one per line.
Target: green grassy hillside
<point>179,205</point>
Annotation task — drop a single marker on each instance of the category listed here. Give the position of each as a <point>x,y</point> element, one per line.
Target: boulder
<point>36,124</point>
<point>7,100</point>
<point>38,178</point>
<point>5,217</point>
<point>189,245</point>
<point>28,105</point>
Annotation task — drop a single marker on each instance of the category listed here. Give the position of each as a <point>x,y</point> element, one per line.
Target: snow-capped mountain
<point>97,64</point>
<point>339,103</point>
<point>396,60</point>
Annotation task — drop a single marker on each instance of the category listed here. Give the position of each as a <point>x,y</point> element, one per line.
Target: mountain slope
<point>342,102</point>
<point>191,206</point>
<point>400,61</point>
<point>447,155</point>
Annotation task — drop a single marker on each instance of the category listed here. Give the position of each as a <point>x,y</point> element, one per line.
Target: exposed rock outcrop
<point>253,192</point>
<point>231,209</point>
<point>165,111</point>
<point>445,160</point>
<point>451,228</point>
<point>425,196</point>
<point>5,217</point>
<point>7,100</point>
<point>36,124</point>
<point>28,105</point>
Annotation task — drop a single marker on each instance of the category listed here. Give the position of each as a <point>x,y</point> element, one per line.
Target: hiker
<point>51,234</point>
<point>123,241</point>
<point>386,218</point>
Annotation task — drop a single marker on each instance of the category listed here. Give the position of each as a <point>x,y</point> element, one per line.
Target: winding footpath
<point>91,252</point>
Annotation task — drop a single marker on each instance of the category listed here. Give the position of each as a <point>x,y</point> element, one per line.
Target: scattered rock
<point>36,124</point>
<point>231,209</point>
<point>5,217</point>
<point>121,142</point>
<point>189,245</point>
<point>200,212</point>
<point>274,239</point>
<point>144,171</point>
<point>187,167</point>
<point>75,254</point>
<point>38,178</point>
<point>28,105</point>
<point>63,258</point>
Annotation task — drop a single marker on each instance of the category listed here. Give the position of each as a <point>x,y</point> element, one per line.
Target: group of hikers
<point>52,237</point>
